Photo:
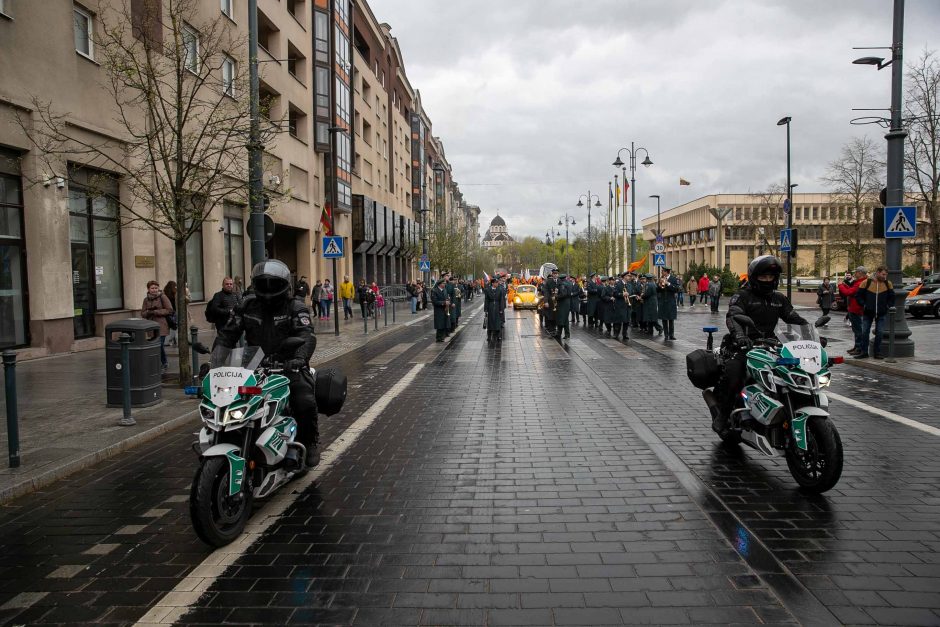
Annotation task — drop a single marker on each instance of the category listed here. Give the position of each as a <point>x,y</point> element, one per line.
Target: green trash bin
<point>144,360</point>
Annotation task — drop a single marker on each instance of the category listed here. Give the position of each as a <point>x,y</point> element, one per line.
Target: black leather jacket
<point>764,310</point>
<point>268,323</point>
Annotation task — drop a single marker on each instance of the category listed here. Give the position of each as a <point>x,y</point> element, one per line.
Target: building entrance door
<point>83,290</point>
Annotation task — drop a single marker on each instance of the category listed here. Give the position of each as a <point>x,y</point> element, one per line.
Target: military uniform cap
<point>592,274</point>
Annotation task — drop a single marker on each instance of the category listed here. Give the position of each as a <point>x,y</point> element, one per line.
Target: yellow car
<point>526,297</point>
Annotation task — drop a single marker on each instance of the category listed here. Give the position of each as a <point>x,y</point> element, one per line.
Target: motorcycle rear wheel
<point>217,518</point>
<point>818,468</point>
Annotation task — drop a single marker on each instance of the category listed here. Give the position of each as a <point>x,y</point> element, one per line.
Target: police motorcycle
<point>247,446</point>
<point>782,409</point>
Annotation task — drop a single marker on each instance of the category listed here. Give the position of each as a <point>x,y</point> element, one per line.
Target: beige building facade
<point>728,230</point>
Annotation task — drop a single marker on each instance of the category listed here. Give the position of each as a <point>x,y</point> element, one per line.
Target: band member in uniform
<point>621,309</point>
<point>502,303</point>
<point>457,298</point>
<point>492,312</point>
<point>651,305</point>
<point>551,291</point>
<point>563,310</point>
<point>575,304</point>
<point>440,302</point>
<point>667,289</point>
<point>607,297</point>
<point>593,296</point>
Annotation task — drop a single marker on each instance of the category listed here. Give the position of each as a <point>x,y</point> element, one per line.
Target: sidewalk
<point>65,425</point>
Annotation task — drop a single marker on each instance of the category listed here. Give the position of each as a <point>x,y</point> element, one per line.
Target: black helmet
<point>765,264</point>
<point>270,279</point>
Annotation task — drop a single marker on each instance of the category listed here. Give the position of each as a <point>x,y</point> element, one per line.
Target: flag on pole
<point>915,291</point>
<point>636,265</point>
<point>626,188</point>
<point>617,197</point>
<point>326,219</point>
<point>486,277</point>
<point>682,181</point>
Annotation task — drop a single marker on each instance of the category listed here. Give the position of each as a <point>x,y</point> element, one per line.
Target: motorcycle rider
<point>760,302</point>
<point>267,315</point>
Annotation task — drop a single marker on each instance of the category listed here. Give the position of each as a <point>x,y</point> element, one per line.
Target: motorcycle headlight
<point>236,414</point>
<point>207,413</point>
<point>824,379</point>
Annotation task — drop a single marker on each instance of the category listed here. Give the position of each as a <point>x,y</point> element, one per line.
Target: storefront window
<point>13,317</point>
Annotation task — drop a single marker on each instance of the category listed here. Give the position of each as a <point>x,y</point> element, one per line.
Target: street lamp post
<point>904,345</point>
<point>789,208</point>
<point>568,220</point>
<point>597,203</point>
<point>632,151</point>
<point>659,230</point>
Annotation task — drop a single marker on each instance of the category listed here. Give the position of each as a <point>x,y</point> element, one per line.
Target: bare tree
<point>766,219</point>
<point>178,83</point>
<point>854,179</point>
<point>922,157</point>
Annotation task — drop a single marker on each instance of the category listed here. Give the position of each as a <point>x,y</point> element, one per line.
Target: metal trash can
<point>144,358</point>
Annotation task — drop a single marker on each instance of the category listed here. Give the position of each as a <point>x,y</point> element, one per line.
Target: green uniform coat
<point>667,299</point>
<point>439,301</point>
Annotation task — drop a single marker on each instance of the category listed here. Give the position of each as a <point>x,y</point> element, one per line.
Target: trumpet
<point>555,299</point>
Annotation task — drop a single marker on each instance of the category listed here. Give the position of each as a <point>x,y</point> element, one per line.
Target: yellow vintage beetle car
<point>526,297</point>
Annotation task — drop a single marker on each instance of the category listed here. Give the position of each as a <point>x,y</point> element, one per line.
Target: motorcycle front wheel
<point>819,467</point>
<point>217,517</point>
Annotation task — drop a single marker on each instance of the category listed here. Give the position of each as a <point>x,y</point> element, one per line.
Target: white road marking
<point>177,602</point>
<point>885,414</point>
<point>391,354</point>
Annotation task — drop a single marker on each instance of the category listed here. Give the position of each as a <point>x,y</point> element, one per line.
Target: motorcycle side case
<point>330,390</point>
<point>702,368</point>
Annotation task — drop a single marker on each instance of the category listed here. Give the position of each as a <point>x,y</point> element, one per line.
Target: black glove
<point>296,365</point>
<point>744,343</point>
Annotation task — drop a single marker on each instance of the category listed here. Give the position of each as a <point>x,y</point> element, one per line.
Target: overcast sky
<point>533,98</point>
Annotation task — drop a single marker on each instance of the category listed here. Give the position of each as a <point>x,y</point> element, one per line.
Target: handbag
<point>172,322</point>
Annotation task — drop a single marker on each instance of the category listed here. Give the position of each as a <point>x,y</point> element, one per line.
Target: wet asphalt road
<point>531,483</point>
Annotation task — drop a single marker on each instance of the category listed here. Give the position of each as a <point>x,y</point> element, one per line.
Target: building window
<point>229,70</point>
<point>13,312</point>
<point>84,26</point>
<point>194,266</point>
<point>342,49</point>
<point>234,248</point>
<point>190,48</point>
<point>5,10</point>
<point>296,63</point>
<point>321,36</point>
<point>343,10</point>
<point>296,8</point>
<point>342,100</point>
<point>297,123</point>
<point>227,8</point>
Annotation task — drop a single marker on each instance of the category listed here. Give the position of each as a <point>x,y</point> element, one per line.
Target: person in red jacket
<point>848,289</point>
<point>703,288</point>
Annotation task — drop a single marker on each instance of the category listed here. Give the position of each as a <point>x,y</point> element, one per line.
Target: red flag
<point>326,219</point>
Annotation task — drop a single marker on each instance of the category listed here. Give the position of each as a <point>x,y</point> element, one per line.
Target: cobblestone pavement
<point>535,482</point>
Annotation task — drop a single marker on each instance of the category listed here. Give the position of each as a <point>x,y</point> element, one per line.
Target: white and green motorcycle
<point>782,410</point>
<point>247,446</point>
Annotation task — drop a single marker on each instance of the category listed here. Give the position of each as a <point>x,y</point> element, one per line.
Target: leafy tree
<point>180,149</point>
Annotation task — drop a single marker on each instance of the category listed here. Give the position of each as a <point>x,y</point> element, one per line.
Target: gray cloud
<point>533,98</point>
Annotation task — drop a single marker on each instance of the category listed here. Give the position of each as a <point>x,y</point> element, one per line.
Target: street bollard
<point>385,310</point>
<point>394,302</point>
<point>126,420</point>
<point>193,338</point>
<point>375,315</point>
<point>891,312</point>
<point>365,321</point>
<point>13,425</point>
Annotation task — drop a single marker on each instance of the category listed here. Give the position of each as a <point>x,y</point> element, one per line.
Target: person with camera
<point>760,301</point>
<point>848,289</point>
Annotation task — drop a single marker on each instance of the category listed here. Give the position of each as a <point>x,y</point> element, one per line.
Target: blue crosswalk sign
<point>332,247</point>
<point>659,259</point>
<point>786,240</point>
<point>900,222</point>
<point>424,265</point>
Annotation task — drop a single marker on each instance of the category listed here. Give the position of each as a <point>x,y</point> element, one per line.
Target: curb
<point>51,476</point>
<point>897,370</point>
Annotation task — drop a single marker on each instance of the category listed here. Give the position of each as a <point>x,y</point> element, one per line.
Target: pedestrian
<point>703,284</point>
<point>315,298</point>
<point>492,313</point>
<point>876,296</point>
<point>422,295</point>
<point>346,292</point>
<point>239,288</point>
<point>302,290</point>
<point>412,289</point>
<point>170,291</point>
<point>692,288</point>
<point>363,293</point>
<point>824,296</point>
<point>220,307</point>
<point>563,307</point>
<point>854,311</point>
<point>441,304</point>
<point>157,307</point>
<point>326,300</point>
<point>714,292</point>
<point>679,295</point>
<point>668,311</point>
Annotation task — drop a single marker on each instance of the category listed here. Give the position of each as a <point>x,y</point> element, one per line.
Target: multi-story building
<point>333,86</point>
<point>731,229</point>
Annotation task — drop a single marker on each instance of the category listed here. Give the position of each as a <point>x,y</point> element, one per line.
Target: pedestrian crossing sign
<point>900,222</point>
<point>659,259</point>
<point>424,265</point>
<point>332,247</point>
<point>786,240</point>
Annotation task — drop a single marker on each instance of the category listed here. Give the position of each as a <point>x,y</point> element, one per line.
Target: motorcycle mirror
<point>823,341</point>
<point>821,321</point>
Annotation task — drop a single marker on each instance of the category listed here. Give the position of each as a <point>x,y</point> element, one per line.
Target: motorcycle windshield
<point>248,357</point>
<point>795,332</point>
<point>801,342</point>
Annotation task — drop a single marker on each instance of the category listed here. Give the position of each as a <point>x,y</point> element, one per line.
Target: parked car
<point>925,302</point>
